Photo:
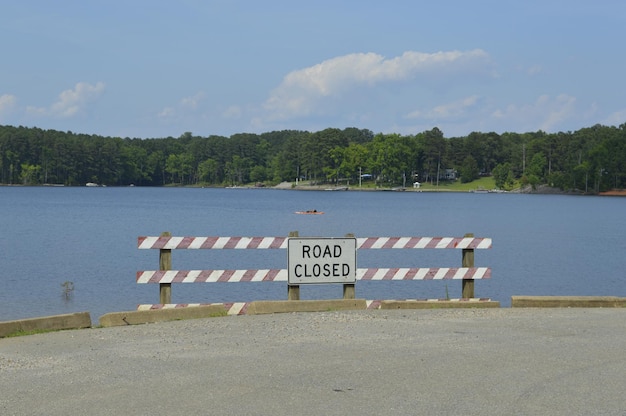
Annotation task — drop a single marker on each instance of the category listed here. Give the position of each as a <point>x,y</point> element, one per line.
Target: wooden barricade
<point>165,276</point>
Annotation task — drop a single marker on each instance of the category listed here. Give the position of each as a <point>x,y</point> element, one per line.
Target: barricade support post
<point>349,290</point>
<point>165,263</point>
<point>293,291</point>
<point>467,289</point>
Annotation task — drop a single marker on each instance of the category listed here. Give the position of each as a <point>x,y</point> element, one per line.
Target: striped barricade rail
<point>175,243</point>
<point>165,276</point>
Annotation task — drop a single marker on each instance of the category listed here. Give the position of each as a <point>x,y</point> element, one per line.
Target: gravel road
<point>405,362</point>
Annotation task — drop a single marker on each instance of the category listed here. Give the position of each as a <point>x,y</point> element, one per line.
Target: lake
<point>542,244</point>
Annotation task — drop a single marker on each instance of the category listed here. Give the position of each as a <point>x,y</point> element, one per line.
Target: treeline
<point>590,159</point>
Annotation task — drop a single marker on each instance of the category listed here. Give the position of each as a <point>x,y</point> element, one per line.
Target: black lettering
<point>317,251</point>
<point>306,252</point>
<point>337,251</point>
<point>316,270</point>
<point>327,252</point>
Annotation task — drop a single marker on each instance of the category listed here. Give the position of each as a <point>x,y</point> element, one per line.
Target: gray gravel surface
<point>405,362</point>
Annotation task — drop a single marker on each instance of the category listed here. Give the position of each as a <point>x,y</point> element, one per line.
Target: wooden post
<point>293,291</point>
<point>165,263</point>
<point>349,290</point>
<point>467,261</point>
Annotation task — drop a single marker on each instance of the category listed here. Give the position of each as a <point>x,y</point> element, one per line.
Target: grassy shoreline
<point>486,183</point>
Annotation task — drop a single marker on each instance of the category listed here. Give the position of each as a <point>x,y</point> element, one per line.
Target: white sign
<point>322,260</point>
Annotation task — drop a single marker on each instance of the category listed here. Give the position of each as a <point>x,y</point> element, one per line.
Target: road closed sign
<point>322,260</point>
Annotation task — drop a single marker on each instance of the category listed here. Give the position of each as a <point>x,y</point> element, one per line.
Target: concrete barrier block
<point>439,304</point>
<point>267,307</point>
<point>49,323</point>
<point>161,315</point>
<point>567,302</point>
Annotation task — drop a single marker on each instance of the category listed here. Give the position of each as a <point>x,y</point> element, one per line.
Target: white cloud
<point>546,113</point>
<point>303,91</point>
<point>184,106</point>
<point>233,112</point>
<point>167,112</point>
<point>615,119</point>
<point>192,102</point>
<point>454,109</point>
<point>7,103</point>
<point>534,70</point>
<point>72,101</point>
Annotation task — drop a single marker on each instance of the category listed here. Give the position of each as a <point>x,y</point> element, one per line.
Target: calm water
<point>542,244</point>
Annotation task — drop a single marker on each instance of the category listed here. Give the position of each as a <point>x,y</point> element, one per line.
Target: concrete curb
<point>161,315</point>
<point>567,302</point>
<point>83,320</point>
<point>269,307</point>
<point>50,323</point>
<point>208,311</point>
<point>425,304</point>
<point>286,306</point>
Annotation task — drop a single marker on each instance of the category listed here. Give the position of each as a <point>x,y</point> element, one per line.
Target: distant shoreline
<point>540,190</point>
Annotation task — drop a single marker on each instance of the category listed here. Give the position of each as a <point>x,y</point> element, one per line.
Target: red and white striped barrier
<point>373,304</point>
<point>211,276</point>
<point>173,243</point>
<point>280,275</point>
<point>232,308</point>
<point>423,242</point>
<point>165,277</point>
<point>424,273</point>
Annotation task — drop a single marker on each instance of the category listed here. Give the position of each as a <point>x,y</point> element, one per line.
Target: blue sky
<point>156,68</point>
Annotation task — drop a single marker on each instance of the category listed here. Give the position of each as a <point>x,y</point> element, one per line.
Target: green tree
<point>434,152</point>
<point>156,167</point>
<point>469,170</point>
<point>354,160</point>
<point>535,171</point>
<point>135,165</point>
<point>237,169</point>
<point>29,174</point>
<point>173,166</point>
<point>258,174</point>
<point>581,173</point>
<point>503,175</point>
<point>208,171</point>
<point>600,160</point>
